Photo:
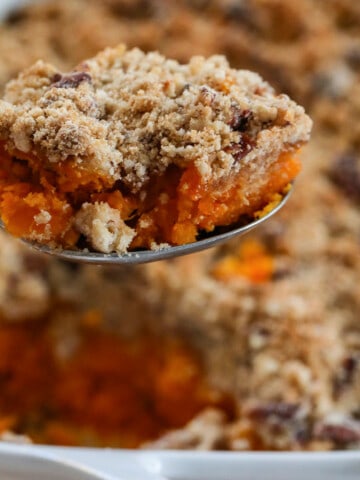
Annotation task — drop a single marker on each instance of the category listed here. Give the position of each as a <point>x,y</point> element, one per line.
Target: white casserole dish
<point>30,462</point>
<point>58,463</point>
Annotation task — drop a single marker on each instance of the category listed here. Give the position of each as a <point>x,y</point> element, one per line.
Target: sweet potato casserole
<point>132,150</point>
<point>251,346</point>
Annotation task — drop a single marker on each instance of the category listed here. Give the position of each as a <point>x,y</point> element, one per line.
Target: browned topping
<point>139,96</point>
<point>72,80</point>
<point>303,434</point>
<point>346,174</point>
<point>340,434</point>
<point>15,17</point>
<point>353,57</point>
<point>346,375</point>
<point>239,12</point>
<point>281,410</point>
<point>36,263</point>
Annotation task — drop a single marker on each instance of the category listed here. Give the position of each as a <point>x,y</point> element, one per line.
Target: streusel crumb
<point>177,148</point>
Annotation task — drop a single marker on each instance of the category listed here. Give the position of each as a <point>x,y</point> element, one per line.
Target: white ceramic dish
<point>30,462</point>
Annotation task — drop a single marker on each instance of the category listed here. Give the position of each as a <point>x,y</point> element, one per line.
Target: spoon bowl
<point>147,256</point>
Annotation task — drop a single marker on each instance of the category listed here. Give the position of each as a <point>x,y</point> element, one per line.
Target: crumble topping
<point>43,217</point>
<point>24,293</point>
<point>127,115</point>
<point>104,228</point>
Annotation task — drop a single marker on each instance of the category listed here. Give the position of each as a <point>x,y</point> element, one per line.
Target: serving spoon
<point>147,256</point>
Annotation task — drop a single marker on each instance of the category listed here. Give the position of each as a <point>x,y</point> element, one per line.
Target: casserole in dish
<point>254,346</point>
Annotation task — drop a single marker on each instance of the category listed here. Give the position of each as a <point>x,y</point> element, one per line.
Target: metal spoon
<point>147,256</point>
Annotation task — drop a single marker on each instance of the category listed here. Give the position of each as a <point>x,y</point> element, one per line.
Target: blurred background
<point>254,345</point>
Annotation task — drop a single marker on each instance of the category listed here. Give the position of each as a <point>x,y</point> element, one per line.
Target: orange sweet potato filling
<point>128,393</point>
<point>172,208</point>
<point>222,203</point>
<point>252,262</point>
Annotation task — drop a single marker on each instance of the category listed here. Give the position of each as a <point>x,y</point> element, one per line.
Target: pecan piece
<point>345,173</point>
<point>281,410</point>
<point>16,16</point>
<point>35,263</point>
<point>303,434</point>
<point>346,375</point>
<point>207,96</point>
<point>240,119</point>
<point>241,149</point>
<point>73,80</point>
<point>341,434</point>
<point>353,58</point>
<point>240,13</point>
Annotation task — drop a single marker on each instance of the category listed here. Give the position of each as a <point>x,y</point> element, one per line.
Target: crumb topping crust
<point>126,115</point>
